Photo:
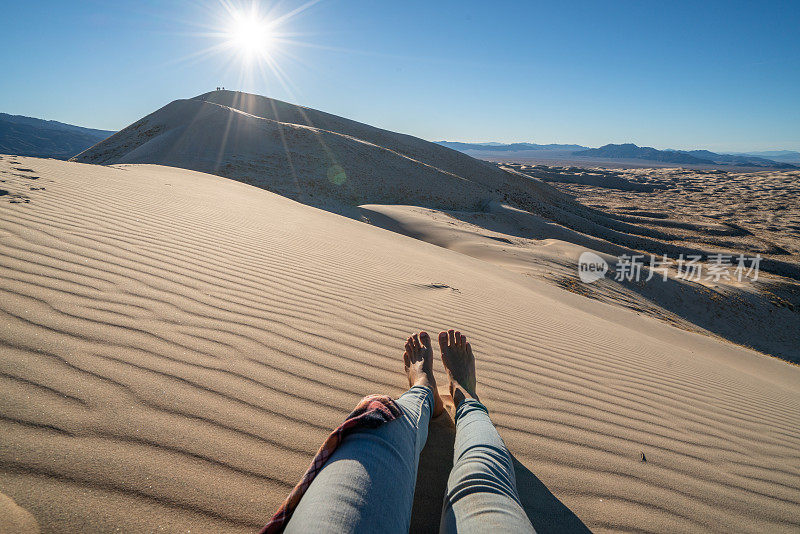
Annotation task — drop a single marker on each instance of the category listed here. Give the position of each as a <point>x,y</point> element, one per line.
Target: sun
<point>255,36</point>
<point>251,34</point>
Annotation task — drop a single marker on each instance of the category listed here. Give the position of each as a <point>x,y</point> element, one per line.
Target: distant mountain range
<point>779,159</point>
<point>736,159</point>
<point>27,136</point>
<point>631,151</point>
<point>786,156</point>
<point>688,157</point>
<point>500,147</point>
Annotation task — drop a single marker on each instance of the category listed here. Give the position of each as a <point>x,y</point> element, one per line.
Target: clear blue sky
<point>718,75</point>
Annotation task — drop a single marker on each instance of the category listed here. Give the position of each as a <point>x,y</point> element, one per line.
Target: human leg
<point>368,483</point>
<point>481,491</point>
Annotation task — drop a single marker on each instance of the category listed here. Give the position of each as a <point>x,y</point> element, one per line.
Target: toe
<point>451,337</point>
<point>469,349</point>
<point>443,340</point>
<point>462,341</point>
<point>417,344</point>
<point>406,359</point>
<point>425,339</point>
<point>410,346</point>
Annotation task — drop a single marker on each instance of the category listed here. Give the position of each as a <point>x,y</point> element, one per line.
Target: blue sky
<point>716,75</point>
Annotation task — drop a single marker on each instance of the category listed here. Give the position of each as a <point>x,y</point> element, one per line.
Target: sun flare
<point>251,35</point>
<point>255,37</point>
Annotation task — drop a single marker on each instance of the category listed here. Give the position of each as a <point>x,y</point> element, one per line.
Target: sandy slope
<point>338,164</point>
<point>308,155</point>
<point>749,313</point>
<point>175,345</point>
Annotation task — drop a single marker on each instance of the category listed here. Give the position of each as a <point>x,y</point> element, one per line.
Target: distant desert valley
<point>190,304</point>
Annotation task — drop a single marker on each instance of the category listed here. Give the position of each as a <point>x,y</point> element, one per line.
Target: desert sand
<point>649,212</point>
<point>308,155</point>
<point>512,215</point>
<point>176,345</point>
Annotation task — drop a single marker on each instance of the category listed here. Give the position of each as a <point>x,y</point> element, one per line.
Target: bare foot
<point>460,365</point>
<point>418,360</point>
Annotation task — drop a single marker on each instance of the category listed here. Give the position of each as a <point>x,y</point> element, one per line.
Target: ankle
<point>424,381</point>
<point>460,394</point>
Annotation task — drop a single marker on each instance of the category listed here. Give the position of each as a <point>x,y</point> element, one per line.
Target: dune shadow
<point>546,512</point>
<point>435,463</point>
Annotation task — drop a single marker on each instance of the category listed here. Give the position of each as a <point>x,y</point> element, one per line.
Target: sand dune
<point>175,346</point>
<point>757,208</point>
<point>309,155</point>
<point>744,312</point>
<point>337,164</point>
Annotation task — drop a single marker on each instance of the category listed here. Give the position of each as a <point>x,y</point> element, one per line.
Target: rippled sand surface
<point>175,346</point>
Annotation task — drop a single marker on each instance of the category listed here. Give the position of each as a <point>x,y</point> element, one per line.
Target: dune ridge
<point>308,155</point>
<point>176,345</point>
<point>338,164</point>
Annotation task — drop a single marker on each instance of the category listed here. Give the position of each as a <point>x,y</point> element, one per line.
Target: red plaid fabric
<point>372,411</point>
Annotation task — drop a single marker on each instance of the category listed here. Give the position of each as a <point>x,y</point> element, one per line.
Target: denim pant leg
<point>482,489</point>
<point>368,483</point>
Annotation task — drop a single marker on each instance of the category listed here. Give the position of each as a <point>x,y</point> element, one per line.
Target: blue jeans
<point>368,483</point>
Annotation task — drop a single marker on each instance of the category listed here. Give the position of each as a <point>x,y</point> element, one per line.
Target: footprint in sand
<point>14,198</point>
<point>440,285</point>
